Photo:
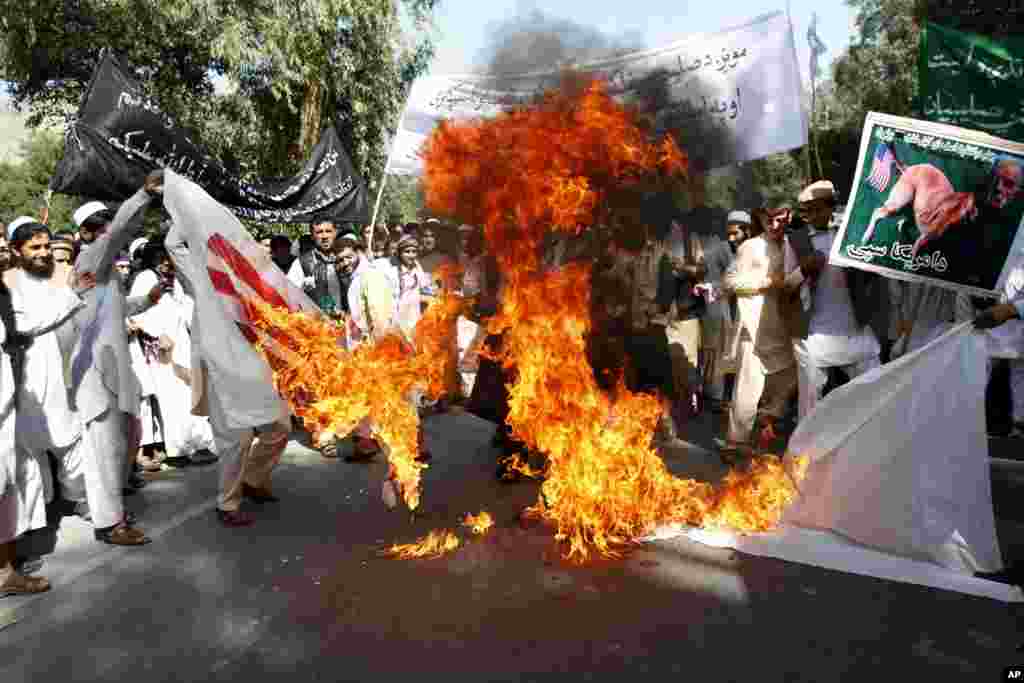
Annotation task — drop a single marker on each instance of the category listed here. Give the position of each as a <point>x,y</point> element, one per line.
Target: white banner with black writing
<point>743,83</point>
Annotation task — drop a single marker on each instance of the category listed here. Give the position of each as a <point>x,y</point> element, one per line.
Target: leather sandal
<point>122,534</point>
<point>329,450</point>
<point>17,584</point>
<point>257,495</point>
<point>234,518</point>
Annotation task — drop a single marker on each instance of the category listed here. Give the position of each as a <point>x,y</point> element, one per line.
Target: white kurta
<point>182,433</point>
<point>25,485</point>
<point>407,287</point>
<point>760,318</point>
<point>101,369</point>
<point>834,339</point>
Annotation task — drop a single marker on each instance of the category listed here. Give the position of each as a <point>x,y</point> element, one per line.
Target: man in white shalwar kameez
<point>834,338</point>
<point>231,382</point>
<point>104,390</point>
<point>165,329</point>
<point>26,435</point>
<point>373,314</point>
<point>764,350</point>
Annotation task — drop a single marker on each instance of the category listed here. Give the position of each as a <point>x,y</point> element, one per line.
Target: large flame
<point>332,388</point>
<point>579,159</point>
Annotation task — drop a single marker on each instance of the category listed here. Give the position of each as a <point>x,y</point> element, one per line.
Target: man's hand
<point>775,281</point>
<point>309,283</point>
<point>904,328</point>
<point>132,328</point>
<point>154,184</point>
<point>812,264</point>
<point>995,316</point>
<point>165,343</point>
<point>82,282</point>
<point>156,293</point>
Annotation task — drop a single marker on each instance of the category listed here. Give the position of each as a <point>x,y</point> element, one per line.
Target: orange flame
<point>567,164</point>
<point>435,544</point>
<point>332,388</point>
<point>479,524</point>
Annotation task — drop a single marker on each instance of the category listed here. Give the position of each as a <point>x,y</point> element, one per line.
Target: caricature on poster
<point>934,203</point>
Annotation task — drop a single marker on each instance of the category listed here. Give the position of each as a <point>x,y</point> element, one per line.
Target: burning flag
<point>575,160</point>
<point>237,287</point>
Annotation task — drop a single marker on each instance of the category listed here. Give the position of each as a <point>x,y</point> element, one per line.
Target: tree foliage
<point>23,182</point>
<point>293,68</point>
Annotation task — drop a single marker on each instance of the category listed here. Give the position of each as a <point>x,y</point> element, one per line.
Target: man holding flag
<point>220,265</point>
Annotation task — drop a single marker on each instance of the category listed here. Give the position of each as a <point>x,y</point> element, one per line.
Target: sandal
<point>17,584</point>
<point>122,534</point>
<point>234,518</point>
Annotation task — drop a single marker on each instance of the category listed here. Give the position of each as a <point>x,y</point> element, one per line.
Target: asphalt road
<point>306,593</point>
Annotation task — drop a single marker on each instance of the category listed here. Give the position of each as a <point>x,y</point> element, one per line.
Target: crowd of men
<point>104,376</point>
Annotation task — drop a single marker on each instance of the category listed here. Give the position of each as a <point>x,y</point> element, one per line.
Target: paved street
<point>306,592</point>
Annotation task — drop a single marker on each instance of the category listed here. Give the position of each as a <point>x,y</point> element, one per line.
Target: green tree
<point>879,70</point>
<point>23,182</point>
<point>403,199</point>
<point>293,68</point>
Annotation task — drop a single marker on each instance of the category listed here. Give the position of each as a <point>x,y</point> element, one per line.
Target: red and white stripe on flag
<point>881,168</point>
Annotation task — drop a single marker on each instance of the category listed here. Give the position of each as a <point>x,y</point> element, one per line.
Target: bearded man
<point>43,303</point>
<point>314,270</point>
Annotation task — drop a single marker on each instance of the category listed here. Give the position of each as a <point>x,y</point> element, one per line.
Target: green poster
<point>934,203</point>
<point>971,80</point>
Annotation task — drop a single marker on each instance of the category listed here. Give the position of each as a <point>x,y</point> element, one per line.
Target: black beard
<point>41,270</point>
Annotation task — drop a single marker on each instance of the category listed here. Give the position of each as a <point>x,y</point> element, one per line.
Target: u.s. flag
<point>881,168</point>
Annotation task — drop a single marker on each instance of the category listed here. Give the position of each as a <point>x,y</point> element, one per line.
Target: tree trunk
<point>312,107</point>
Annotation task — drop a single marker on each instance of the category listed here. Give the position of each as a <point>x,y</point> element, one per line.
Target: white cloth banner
<point>899,482</point>
<point>899,458</point>
<point>743,81</point>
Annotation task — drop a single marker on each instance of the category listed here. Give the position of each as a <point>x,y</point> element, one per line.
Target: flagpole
<point>387,165</point>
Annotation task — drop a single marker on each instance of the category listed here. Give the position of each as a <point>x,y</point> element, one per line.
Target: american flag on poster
<point>881,168</point>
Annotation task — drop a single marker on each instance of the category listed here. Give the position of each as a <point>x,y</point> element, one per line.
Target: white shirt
<point>45,419</point>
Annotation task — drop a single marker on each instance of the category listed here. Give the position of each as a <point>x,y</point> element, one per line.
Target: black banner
<point>119,136</point>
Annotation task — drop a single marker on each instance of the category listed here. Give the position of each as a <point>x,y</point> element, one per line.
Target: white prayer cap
<point>17,223</point>
<point>136,245</point>
<point>431,221</point>
<point>823,189</point>
<point>738,217</point>
<point>88,210</point>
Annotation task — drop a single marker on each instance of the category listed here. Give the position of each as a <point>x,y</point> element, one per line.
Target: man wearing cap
<point>92,219</point>
<point>63,247</point>
<point>314,270</point>
<point>104,389</point>
<point>35,302</point>
<point>430,256</point>
<point>718,315</point>
<point>766,375</point>
<point>835,339</point>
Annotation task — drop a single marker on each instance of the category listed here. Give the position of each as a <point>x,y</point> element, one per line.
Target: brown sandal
<point>18,584</point>
<point>122,534</point>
